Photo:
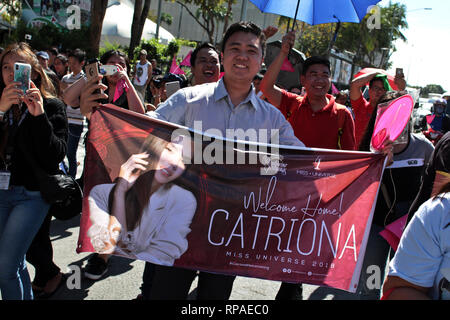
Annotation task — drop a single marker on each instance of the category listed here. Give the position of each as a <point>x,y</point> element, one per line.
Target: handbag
<point>60,190</point>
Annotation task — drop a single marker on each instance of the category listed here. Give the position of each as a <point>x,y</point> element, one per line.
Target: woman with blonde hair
<point>33,128</point>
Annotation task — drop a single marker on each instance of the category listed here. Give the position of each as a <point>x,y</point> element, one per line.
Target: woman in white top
<point>150,213</point>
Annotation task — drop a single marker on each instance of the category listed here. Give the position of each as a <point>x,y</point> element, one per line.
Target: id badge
<point>5,176</point>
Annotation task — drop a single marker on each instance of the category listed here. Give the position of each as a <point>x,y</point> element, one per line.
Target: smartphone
<point>22,72</point>
<point>399,72</point>
<point>172,87</point>
<point>92,69</point>
<point>108,70</point>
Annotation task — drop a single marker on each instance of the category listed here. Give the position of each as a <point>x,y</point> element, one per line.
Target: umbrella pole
<point>295,16</point>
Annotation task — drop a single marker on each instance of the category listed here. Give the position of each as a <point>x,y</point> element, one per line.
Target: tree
<point>374,47</point>
<point>370,45</point>
<point>431,88</point>
<point>209,13</point>
<point>98,10</point>
<point>141,9</point>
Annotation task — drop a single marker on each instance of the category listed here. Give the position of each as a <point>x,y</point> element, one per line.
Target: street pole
<point>244,10</point>
<point>179,22</point>
<point>158,23</point>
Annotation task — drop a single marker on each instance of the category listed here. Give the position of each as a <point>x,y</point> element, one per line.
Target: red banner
<point>307,221</point>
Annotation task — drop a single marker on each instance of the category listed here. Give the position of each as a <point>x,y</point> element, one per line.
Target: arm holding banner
<point>173,109</point>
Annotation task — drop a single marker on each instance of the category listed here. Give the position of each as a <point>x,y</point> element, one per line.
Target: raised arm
<point>267,86</point>
<point>71,94</point>
<point>359,82</point>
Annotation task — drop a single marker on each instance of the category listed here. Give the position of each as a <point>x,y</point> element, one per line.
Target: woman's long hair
<point>137,198</point>
<point>108,54</point>
<point>41,80</point>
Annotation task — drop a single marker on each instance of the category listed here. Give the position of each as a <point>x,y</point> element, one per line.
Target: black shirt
<point>44,137</point>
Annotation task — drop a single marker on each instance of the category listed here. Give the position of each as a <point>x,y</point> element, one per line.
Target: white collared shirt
<point>211,104</point>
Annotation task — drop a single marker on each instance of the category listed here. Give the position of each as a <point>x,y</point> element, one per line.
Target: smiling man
<point>317,119</point>
<point>230,103</point>
<point>205,64</point>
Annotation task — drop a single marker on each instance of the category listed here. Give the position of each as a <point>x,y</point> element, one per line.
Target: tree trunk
<point>98,10</point>
<point>227,17</point>
<point>137,26</point>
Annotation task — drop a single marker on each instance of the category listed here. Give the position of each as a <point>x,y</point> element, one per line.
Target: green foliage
<point>431,88</point>
<point>365,43</point>
<point>50,35</point>
<point>161,52</point>
<point>107,46</point>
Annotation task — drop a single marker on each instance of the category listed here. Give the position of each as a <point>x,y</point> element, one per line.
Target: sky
<point>425,58</point>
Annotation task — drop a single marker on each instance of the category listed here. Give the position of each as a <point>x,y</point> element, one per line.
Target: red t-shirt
<point>318,129</point>
<point>363,111</point>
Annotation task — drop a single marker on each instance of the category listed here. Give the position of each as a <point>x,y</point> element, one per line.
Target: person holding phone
<point>118,90</point>
<point>35,121</point>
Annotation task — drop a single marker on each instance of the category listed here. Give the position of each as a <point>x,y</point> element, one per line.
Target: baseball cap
<point>143,51</point>
<point>43,55</point>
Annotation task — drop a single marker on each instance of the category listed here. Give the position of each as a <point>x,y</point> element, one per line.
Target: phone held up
<point>22,73</point>
<point>399,72</point>
<point>172,87</point>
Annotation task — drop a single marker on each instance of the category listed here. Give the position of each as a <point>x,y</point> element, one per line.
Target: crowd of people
<point>48,120</point>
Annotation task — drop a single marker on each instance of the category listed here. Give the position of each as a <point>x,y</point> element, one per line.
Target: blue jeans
<point>75,131</point>
<point>21,215</point>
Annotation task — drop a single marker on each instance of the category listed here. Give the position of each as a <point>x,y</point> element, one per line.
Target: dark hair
<point>388,96</point>
<point>204,45</point>
<point>78,54</point>
<point>108,54</point>
<point>53,51</point>
<point>315,60</point>
<point>248,27</point>
<point>375,79</point>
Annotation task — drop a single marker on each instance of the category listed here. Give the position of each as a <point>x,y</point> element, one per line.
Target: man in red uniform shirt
<point>363,108</point>
<point>318,121</point>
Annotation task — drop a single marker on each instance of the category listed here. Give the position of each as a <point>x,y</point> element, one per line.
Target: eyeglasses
<point>381,89</point>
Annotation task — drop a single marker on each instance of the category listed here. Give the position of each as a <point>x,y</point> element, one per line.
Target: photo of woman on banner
<point>146,214</point>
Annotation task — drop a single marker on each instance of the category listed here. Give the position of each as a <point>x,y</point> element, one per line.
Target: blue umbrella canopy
<point>317,11</point>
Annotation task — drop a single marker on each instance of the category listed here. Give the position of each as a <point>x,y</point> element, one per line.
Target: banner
<point>169,195</point>
<point>64,14</point>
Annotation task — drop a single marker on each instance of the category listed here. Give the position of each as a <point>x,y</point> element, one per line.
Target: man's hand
<point>288,42</point>
<point>88,98</point>
<point>400,82</point>
<point>270,31</point>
